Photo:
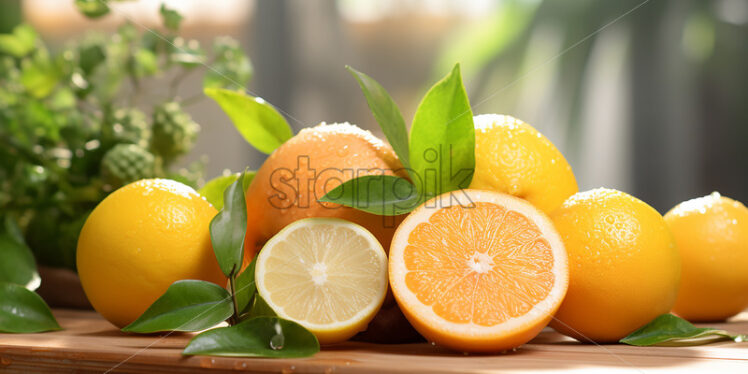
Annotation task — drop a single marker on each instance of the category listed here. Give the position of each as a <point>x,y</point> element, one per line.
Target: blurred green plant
<point>74,127</point>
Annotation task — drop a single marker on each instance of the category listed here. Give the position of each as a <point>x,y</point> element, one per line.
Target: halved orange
<point>478,271</point>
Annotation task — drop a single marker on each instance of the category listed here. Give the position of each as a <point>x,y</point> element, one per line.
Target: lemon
<point>138,241</point>
<point>327,274</point>
<point>712,237</point>
<point>624,267</point>
<point>514,158</point>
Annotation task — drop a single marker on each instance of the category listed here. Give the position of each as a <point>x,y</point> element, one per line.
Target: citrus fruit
<point>712,237</point>
<point>512,157</point>
<point>624,267</point>
<point>327,274</point>
<point>478,271</point>
<point>315,161</point>
<point>138,241</point>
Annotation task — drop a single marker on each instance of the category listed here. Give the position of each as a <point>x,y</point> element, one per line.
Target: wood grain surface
<point>91,344</point>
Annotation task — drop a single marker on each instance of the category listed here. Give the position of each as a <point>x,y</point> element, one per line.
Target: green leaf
<point>669,330</point>
<point>258,122</point>
<point>213,189</point>
<point>260,308</point>
<point>17,263</point>
<point>12,229</point>
<point>256,337</point>
<point>187,52</point>
<point>170,17</point>
<point>92,8</point>
<point>228,228</point>
<point>40,75</point>
<point>442,138</point>
<point>379,194</point>
<point>245,287</point>
<point>386,113</point>
<point>145,63</point>
<point>231,67</point>
<point>23,311</point>
<point>90,56</point>
<point>187,305</point>
<point>20,42</point>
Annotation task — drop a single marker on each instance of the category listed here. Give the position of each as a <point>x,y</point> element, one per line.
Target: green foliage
<point>75,125</point>
<point>17,263</point>
<point>440,155</point>
<point>171,18</point>
<point>442,138</point>
<point>256,337</point>
<point>214,188</point>
<point>174,131</point>
<point>258,122</point>
<point>671,331</point>
<point>228,227</point>
<point>387,114</point>
<point>127,163</point>
<point>187,305</point>
<point>23,311</point>
<point>385,195</point>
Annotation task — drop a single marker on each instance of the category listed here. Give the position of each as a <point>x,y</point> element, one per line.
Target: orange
<point>624,267</point>
<point>514,158</point>
<point>478,271</point>
<point>712,237</point>
<point>287,186</point>
<point>138,241</point>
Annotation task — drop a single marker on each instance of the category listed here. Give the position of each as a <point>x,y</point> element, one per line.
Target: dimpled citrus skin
<point>514,158</point>
<point>624,267</point>
<point>712,237</point>
<point>285,190</point>
<point>138,241</point>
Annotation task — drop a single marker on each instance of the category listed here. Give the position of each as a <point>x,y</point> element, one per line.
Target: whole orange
<point>138,241</point>
<point>302,170</point>
<point>624,267</point>
<point>514,158</point>
<point>712,237</point>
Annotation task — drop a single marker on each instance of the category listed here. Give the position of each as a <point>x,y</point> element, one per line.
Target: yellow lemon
<point>327,274</point>
<point>514,158</point>
<point>138,241</point>
<point>624,266</point>
<point>712,236</point>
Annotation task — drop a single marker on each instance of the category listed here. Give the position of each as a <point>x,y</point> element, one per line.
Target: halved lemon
<point>327,274</point>
<point>478,271</point>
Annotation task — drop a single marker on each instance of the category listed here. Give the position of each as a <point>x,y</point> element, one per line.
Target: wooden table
<point>91,344</point>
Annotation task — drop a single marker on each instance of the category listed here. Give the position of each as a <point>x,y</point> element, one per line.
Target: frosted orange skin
<point>321,151</point>
<point>712,237</point>
<point>624,267</point>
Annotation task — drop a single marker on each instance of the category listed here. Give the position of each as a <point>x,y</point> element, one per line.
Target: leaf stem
<point>235,318</point>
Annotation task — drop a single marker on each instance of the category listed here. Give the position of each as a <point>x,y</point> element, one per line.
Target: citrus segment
<point>327,274</point>
<point>478,270</point>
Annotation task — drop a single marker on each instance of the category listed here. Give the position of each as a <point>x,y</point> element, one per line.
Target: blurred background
<point>649,97</point>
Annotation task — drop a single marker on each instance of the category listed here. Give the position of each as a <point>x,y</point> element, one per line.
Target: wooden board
<point>91,344</point>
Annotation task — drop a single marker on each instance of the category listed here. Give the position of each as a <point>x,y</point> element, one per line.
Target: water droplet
<point>277,341</point>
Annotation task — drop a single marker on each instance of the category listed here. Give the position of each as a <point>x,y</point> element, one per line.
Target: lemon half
<point>327,274</point>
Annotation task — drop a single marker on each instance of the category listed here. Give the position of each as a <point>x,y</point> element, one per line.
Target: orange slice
<point>478,271</point>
